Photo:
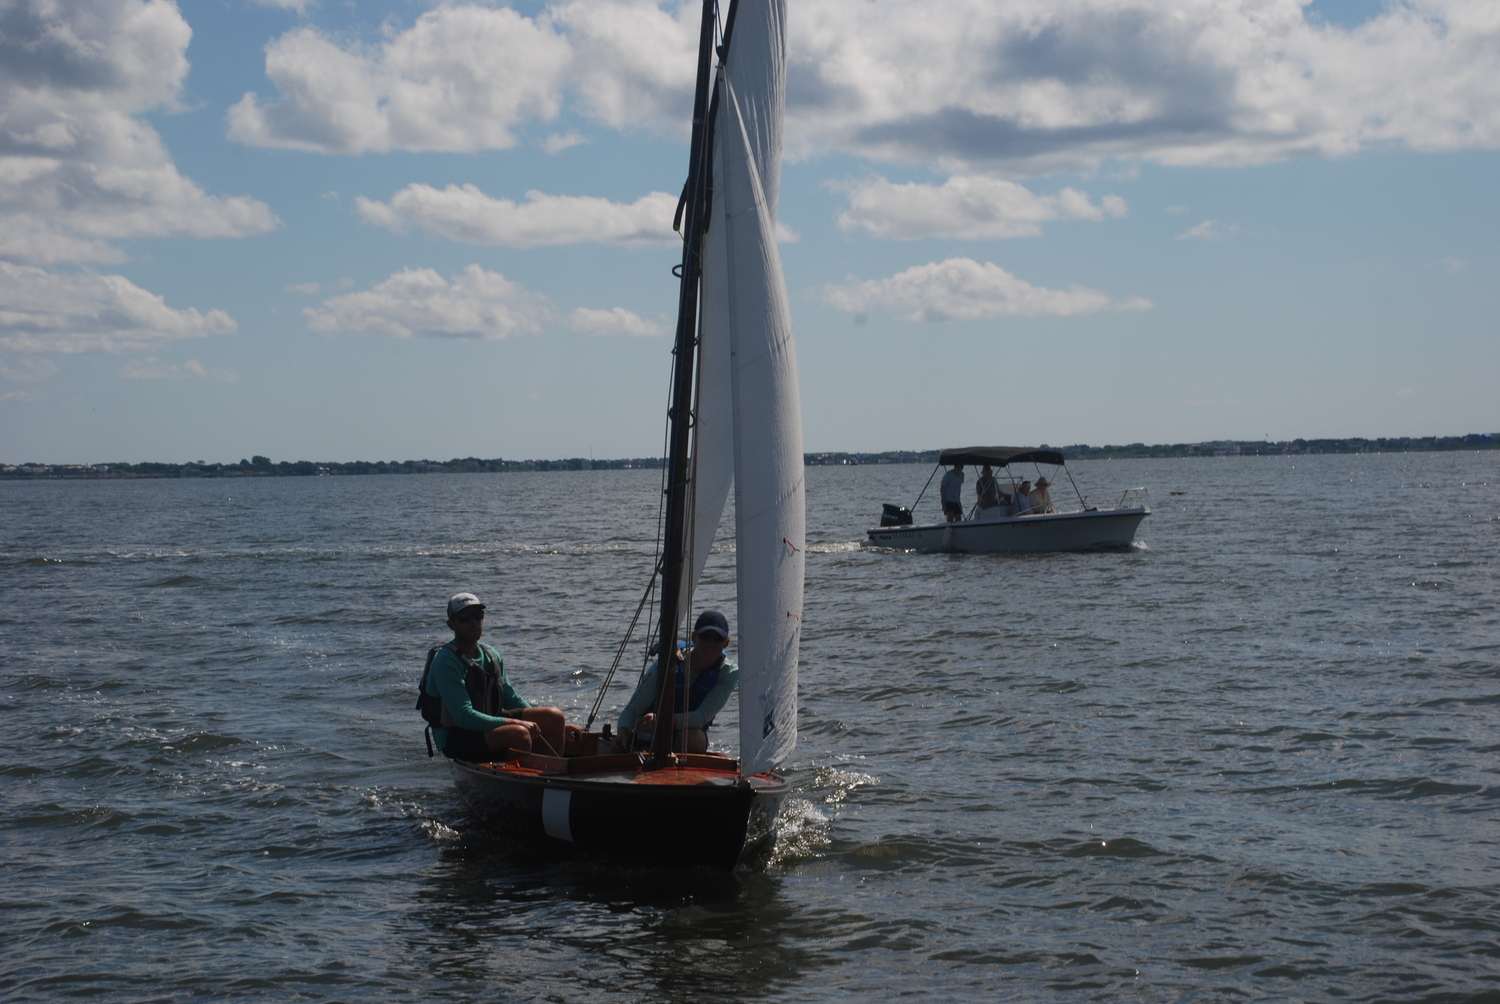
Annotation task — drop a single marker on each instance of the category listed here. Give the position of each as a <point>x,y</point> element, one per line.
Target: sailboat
<point>734,421</point>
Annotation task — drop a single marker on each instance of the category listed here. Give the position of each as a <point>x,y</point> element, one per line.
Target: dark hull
<point>671,816</point>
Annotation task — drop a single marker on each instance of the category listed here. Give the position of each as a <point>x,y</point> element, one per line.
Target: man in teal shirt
<point>482,716</point>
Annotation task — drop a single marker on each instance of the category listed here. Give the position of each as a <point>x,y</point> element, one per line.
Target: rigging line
<point>1081,500</point>
<point>661,505</point>
<point>670,595</point>
<point>620,653</point>
<point>690,516</point>
<point>925,487</point>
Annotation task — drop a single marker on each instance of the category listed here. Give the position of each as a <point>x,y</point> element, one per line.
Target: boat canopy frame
<point>1001,456</point>
<point>998,456</point>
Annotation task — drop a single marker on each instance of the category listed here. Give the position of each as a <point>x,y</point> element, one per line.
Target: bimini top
<point>998,456</point>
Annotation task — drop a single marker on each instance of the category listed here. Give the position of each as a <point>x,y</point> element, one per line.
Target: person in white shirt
<point>1024,504</point>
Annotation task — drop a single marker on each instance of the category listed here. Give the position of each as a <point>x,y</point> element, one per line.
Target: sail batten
<point>749,424</point>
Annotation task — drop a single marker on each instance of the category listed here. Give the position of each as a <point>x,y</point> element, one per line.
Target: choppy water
<point>1255,759</point>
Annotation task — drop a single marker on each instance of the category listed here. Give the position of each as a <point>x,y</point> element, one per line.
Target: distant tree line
<point>264,467</point>
<point>1217,448</point>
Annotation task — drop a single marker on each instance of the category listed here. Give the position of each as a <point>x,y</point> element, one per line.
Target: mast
<point>678,417</point>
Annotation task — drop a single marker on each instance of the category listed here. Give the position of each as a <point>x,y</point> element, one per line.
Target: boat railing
<point>1130,498</point>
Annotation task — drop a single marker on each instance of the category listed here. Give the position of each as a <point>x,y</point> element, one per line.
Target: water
<point>1254,759</point>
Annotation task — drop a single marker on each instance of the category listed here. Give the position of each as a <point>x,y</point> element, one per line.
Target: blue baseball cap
<point>711,621</point>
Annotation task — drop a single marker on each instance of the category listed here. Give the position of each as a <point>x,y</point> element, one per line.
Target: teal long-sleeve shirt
<point>445,679</point>
<point>644,700</point>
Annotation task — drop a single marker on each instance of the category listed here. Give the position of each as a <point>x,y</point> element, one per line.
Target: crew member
<point>987,489</point>
<point>481,715</point>
<point>710,680</point>
<point>952,489</point>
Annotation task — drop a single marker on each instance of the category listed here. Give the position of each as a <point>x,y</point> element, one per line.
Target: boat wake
<point>801,834</point>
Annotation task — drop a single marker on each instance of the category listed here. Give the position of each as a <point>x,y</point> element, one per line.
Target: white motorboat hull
<point>1096,530</point>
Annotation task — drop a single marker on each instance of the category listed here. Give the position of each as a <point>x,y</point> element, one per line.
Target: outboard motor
<point>895,515</point>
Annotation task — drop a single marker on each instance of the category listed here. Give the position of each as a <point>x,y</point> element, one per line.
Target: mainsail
<point>748,417</point>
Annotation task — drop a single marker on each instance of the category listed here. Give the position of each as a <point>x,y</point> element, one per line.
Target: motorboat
<point>734,419</point>
<point>1109,525</point>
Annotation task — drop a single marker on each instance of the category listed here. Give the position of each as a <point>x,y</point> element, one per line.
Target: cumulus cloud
<point>42,312</point>
<point>1209,230</point>
<point>27,369</point>
<point>461,78</point>
<point>970,207</point>
<point>417,302</point>
<point>618,321</point>
<point>1030,85</point>
<point>961,289</point>
<point>1060,84</point>
<point>560,141</point>
<point>634,61</point>
<point>464,213</point>
<point>152,368</point>
<point>78,166</point>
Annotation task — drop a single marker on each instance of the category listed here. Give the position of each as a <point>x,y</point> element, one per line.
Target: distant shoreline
<point>264,467</point>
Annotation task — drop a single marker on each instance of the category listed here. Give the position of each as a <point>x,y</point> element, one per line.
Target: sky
<point>325,230</point>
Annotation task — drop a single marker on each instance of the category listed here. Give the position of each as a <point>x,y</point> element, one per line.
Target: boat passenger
<point>711,679</point>
<point>481,713</point>
<point>1041,498</point>
<point>987,489</point>
<point>1024,502</point>
<point>952,489</point>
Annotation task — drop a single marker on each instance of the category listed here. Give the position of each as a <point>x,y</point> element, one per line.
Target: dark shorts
<point>466,744</point>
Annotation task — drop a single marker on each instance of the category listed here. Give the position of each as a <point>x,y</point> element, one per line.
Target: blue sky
<point>1066,221</point>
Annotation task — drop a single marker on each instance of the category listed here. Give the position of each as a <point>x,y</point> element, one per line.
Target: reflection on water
<point>1252,758</point>
<point>649,933</point>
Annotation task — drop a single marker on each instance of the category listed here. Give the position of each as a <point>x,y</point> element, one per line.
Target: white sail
<point>749,420</point>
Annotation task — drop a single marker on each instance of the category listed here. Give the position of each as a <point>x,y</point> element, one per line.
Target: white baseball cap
<point>462,601</point>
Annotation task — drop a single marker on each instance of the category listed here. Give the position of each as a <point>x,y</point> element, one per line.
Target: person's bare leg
<point>550,721</point>
<point>696,741</point>
<point>509,737</point>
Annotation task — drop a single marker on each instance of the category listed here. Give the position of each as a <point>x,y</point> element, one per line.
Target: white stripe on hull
<point>1112,529</point>
<point>555,808</point>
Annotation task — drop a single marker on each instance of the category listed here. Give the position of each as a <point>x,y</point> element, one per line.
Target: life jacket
<point>481,683</point>
<point>705,683</point>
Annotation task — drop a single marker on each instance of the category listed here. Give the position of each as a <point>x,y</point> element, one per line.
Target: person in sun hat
<point>711,678</point>
<point>1041,498</point>
<point>479,714</point>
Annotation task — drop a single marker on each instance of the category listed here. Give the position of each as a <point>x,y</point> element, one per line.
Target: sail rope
<point>624,644</point>
<point>925,487</point>
<point>661,507</point>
